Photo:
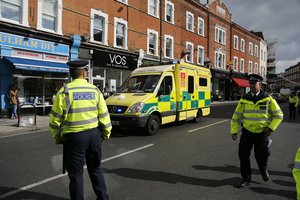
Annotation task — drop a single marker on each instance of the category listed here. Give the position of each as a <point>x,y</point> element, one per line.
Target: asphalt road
<point>183,162</point>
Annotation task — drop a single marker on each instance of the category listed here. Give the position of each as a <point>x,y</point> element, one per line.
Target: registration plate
<point>116,123</point>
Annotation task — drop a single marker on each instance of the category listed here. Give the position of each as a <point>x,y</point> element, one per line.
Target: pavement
<point>10,126</point>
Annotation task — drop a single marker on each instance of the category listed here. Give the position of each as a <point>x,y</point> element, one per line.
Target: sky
<point>277,19</point>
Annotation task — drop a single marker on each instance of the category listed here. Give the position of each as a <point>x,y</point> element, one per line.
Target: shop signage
<point>31,44</point>
<point>55,58</point>
<point>39,56</point>
<point>27,54</point>
<point>115,60</point>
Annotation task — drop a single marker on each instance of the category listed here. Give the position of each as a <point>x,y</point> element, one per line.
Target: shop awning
<point>241,82</point>
<point>38,65</point>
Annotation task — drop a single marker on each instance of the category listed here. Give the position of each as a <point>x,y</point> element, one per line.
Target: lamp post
<point>230,67</point>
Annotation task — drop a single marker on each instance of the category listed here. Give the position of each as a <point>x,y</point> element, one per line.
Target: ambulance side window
<point>190,84</point>
<point>166,86</point>
<point>202,82</point>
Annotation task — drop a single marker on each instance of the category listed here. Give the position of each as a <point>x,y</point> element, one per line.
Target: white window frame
<point>222,65</point>
<point>189,14</point>
<point>236,42</point>
<point>105,31</point>
<point>235,63</point>
<point>173,11</point>
<point>200,19</point>
<point>250,48</point>
<point>250,66</point>
<point>187,44</point>
<point>172,46</point>
<point>222,39</point>
<point>242,48</point>
<point>256,68</point>
<point>150,31</point>
<point>58,28</point>
<point>256,50</point>
<point>24,15</point>
<point>242,65</point>
<point>200,56</point>
<point>121,21</point>
<point>156,8</point>
<point>123,1</point>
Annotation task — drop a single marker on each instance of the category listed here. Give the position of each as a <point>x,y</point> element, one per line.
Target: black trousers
<point>261,152</point>
<point>292,110</point>
<point>80,147</point>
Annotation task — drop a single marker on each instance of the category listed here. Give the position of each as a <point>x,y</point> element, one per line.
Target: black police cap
<point>78,64</point>
<point>253,78</point>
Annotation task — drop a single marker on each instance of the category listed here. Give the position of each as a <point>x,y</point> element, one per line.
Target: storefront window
<point>35,88</point>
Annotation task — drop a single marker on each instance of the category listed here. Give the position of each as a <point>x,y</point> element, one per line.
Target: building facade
<point>116,36</point>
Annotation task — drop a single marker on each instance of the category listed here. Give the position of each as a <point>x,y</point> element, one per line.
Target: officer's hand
<point>267,131</point>
<point>234,136</point>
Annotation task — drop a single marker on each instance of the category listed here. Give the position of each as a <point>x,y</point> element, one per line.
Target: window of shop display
<point>35,88</point>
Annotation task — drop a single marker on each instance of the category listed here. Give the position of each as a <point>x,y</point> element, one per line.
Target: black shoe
<point>265,175</point>
<point>243,184</point>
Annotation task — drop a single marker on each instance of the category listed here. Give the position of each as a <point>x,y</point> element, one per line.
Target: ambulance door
<point>191,98</point>
<point>167,99</point>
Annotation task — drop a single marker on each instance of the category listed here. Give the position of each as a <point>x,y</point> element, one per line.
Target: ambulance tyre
<point>198,117</point>
<point>153,124</point>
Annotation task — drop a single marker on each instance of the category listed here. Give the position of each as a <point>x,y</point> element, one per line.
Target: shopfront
<point>112,68</point>
<point>37,67</point>
<point>226,86</point>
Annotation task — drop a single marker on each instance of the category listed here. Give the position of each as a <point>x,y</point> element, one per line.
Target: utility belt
<point>244,130</point>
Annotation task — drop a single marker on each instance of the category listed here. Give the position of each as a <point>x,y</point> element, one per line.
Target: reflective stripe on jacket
<point>255,117</point>
<point>79,106</point>
<point>296,173</point>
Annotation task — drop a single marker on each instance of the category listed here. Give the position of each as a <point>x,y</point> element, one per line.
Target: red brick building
<point>118,35</point>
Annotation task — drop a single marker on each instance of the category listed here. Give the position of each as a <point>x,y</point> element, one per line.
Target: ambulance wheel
<point>153,125</point>
<point>198,117</point>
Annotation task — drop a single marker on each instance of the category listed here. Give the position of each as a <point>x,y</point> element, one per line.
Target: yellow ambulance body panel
<point>157,95</point>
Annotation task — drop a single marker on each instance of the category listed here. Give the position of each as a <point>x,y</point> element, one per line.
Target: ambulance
<point>156,95</point>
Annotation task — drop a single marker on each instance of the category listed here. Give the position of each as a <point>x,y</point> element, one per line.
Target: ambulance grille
<point>117,109</point>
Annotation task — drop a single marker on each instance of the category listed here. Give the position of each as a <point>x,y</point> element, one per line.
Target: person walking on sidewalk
<point>14,101</point>
<point>293,104</point>
<point>80,120</point>
<point>259,115</point>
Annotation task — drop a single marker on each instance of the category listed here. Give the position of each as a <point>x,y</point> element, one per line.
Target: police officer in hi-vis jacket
<point>296,173</point>
<point>80,118</point>
<point>259,115</point>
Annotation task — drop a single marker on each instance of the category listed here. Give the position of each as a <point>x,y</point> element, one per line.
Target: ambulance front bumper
<point>129,121</point>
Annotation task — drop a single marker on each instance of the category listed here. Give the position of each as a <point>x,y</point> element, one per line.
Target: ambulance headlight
<point>136,107</point>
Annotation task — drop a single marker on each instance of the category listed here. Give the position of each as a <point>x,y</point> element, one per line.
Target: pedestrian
<point>14,101</point>
<point>296,173</point>
<point>259,115</point>
<point>293,104</point>
<point>79,118</point>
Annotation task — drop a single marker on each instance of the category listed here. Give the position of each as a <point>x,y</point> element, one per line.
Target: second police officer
<point>259,115</point>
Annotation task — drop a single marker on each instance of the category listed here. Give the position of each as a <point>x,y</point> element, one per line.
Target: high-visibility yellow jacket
<point>296,173</point>
<point>294,100</point>
<point>79,106</point>
<point>255,117</point>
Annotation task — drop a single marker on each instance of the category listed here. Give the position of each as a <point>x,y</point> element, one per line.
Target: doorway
<point>99,82</point>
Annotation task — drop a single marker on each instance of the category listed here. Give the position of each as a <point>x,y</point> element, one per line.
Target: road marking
<point>208,125</point>
<point>25,133</point>
<point>27,187</point>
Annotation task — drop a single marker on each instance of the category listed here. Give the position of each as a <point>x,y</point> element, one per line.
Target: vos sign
<point>115,60</point>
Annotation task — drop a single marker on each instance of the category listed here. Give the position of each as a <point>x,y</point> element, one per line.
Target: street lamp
<point>230,68</point>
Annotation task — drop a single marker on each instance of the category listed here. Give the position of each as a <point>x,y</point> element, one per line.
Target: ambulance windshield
<point>145,83</point>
